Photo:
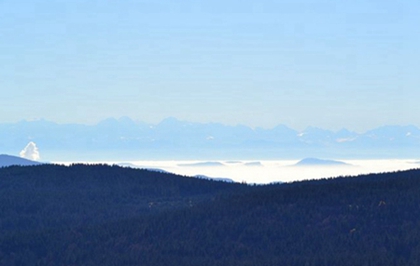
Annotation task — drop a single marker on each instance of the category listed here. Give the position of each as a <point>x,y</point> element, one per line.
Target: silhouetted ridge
<point>186,140</point>
<point>108,215</point>
<point>320,162</point>
<point>8,160</point>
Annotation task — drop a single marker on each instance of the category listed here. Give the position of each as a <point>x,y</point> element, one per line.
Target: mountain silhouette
<point>9,160</point>
<point>320,162</point>
<point>175,139</point>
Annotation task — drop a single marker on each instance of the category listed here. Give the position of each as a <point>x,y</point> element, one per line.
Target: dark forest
<point>110,215</point>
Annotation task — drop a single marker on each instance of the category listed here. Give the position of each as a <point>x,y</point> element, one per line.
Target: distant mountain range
<point>123,139</point>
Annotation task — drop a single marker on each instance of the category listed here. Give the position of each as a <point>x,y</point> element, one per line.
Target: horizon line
<point>139,121</point>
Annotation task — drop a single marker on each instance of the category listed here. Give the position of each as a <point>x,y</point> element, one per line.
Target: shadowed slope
<point>105,216</point>
<point>9,160</point>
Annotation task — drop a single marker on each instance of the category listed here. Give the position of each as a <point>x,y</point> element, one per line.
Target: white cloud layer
<point>30,152</point>
<point>267,171</point>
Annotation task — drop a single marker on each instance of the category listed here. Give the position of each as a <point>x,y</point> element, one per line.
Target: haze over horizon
<point>172,139</point>
<point>173,119</point>
<point>299,63</point>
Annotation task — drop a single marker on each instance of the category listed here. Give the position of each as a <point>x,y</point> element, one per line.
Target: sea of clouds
<point>269,171</point>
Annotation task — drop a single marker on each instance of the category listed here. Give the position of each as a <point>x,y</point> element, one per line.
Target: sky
<point>324,63</point>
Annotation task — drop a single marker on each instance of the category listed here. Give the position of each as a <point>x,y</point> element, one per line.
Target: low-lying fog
<point>273,171</point>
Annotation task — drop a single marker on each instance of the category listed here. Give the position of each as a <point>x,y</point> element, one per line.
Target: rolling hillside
<point>109,215</point>
<point>9,160</point>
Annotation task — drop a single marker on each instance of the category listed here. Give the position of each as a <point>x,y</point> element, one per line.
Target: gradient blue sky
<point>323,63</point>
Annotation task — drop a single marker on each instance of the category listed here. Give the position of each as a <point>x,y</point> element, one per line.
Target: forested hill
<point>53,196</point>
<point>108,215</point>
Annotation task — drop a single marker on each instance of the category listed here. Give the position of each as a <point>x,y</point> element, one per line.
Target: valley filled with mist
<point>266,171</point>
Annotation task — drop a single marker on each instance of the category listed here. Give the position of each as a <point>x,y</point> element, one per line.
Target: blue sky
<point>329,64</point>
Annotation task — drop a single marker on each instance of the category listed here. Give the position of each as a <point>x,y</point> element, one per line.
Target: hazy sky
<point>323,63</point>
